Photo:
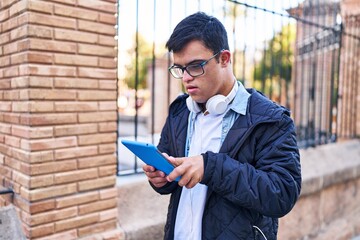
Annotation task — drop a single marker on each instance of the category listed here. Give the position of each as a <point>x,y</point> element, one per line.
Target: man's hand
<point>191,170</point>
<point>156,177</point>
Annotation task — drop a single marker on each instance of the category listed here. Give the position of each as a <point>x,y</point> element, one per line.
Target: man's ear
<point>225,58</point>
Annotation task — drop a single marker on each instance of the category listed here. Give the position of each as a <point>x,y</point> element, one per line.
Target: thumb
<point>175,161</point>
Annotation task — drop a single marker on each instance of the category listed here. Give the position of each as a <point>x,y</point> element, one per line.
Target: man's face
<point>203,87</point>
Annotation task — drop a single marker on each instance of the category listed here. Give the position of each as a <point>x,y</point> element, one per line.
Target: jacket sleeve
<point>269,181</point>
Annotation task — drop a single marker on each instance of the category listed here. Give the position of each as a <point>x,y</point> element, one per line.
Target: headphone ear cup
<point>216,104</point>
<point>192,105</point>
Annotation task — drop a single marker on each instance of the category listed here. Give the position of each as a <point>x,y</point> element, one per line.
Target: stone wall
<point>58,116</point>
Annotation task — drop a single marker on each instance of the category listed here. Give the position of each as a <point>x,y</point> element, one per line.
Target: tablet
<point>150,155</point>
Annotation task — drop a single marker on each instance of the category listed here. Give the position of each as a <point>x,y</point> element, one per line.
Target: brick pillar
<point>58,116</point>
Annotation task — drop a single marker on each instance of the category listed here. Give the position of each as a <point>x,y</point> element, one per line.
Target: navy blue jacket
<point>253,180</point>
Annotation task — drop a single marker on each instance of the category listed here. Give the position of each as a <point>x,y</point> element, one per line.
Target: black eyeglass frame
<point>199,65</point>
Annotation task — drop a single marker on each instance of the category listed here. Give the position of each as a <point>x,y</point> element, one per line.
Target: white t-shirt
<point>206,137</point>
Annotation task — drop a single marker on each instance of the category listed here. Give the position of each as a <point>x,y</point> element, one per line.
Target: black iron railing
<point>296,52</point>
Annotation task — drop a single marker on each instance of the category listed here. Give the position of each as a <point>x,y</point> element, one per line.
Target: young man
<point>234,149</point>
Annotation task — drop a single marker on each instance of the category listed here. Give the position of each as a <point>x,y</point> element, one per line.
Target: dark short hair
<point>199,26</point>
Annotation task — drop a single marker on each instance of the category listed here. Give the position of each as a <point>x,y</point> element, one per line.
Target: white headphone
<point>216,104</point>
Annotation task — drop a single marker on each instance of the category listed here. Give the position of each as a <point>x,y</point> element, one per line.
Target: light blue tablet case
<point>149,154</point>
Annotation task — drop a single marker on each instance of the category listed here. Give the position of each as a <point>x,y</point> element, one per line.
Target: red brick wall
<point>58,115</point>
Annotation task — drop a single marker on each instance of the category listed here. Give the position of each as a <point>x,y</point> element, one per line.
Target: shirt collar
<point>240,102</point>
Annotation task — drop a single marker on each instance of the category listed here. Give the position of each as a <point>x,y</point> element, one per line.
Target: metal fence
<point>289,50</point>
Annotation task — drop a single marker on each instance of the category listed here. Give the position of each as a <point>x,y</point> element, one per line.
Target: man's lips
<point>191,89</point>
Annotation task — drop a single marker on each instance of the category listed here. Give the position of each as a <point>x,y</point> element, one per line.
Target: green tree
<point>275,66</point>
<point>143,59</point>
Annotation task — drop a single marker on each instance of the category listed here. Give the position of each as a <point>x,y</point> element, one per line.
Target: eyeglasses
<point>193,70</point>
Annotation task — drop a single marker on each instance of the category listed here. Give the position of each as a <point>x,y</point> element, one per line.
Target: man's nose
<point>187,77</point>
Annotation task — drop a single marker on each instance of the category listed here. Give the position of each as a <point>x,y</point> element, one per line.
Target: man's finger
<point>175,161</point>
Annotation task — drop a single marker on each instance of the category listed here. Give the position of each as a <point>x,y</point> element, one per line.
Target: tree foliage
<point>276,61</point>
<point>138,67</point>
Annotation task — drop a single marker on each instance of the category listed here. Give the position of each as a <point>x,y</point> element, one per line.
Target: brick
<point>36,57</point>
<point>40,231</point>
<point>97,117</point>
<point>5,106</point>
<point>19,32</point>
<point>107,170</point>
<point>96,27</point>
<point>76,60</point>
<point>11,23</point>
<point>12,71</point>
<point>88,95</point>
<point>5,171</point>
<point>4,14</point>
<point>69,2</point>
<point>31,81</point>
<point>12,141</point>
<point>21,178</point>
<point>5,128</point>
<point>21,155</point>
<point>5,84</point>
<point>51,46</point>
<point>80,198</point>
<point>108,84</point>
<point>75,176</point>
<point>10,48</point>
<point>41,156</point>
<point>110,41</point>
<point>11,118</point>
<point>4,61</point>
<point>97,206</point>
<point>38,31</point>
<point>97,138</point>
<point>75,36</point>
<point>54,21</point>
<point>48,143</point>
<point>99,227</point>
<point>41,181</point>
<point>67,235</point>
<point>52,216</point>
<point>76,107</point>
<point>108,193</point>
<point>32,132</point>
<point>76,83</point>
<point>49,192</point>
<point>91,49</point>
<point>42,206</point>
<point>48,119</point>
<point>52,167</point>
<point>40,6</point>
<point>45,70</point>
<point>41,106</point>
<point>17,165</point>
<point>20,107</point>
<point>76,222</point>
<point>12,95</point>
<point>107,62</point>
<point>98,5</point>
<point>107,127</point>
<point>107,18</point>
<point>96,161</point>
<point>75,129</point>
<point>74,12</point>
<point>108,215</point>
<point>18,8</point>
<point>45,94</point>
<point>98,183</point>
<point>75,152</point>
